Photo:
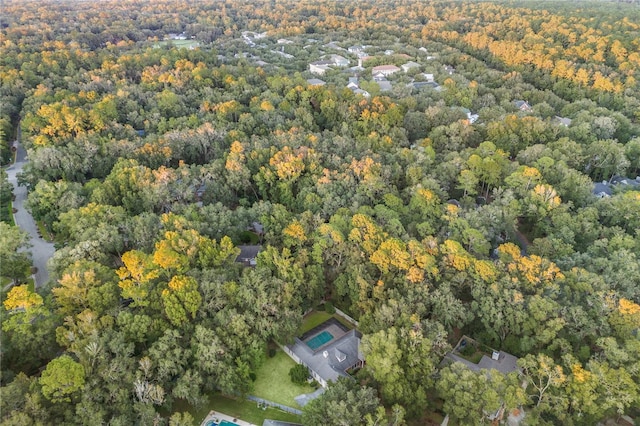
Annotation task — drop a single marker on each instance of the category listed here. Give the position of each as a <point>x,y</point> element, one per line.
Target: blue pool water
<point>222,423</point>
<point>319,340</point>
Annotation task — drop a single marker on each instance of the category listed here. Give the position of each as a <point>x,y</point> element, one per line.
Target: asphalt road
<point>41,250</point>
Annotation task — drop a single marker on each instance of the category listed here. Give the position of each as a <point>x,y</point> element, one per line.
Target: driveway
<point>41,250</point>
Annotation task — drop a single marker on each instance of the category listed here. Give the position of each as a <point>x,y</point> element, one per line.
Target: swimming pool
<point>319,340</point>
<point>222,423</point>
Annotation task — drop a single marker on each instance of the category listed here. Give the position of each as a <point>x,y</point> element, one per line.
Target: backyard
<point>240,408</point>
<point>273,382</point>
<point>316,318</point>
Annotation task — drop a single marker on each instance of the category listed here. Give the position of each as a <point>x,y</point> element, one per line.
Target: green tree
<point>344,402</point>
<point>62,378</point>
<point>299,374</point>
<point>14,258</point>
<point>474,397</point>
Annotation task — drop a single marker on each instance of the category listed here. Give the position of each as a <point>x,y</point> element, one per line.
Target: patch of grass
<point>274,384</point>
<point>316,318</point>
<point>472,355</point>
<point>7,214</point>
<point>237,407</point>
<point>44,232</point>
<point>249,411</point>
<point>312,320</point>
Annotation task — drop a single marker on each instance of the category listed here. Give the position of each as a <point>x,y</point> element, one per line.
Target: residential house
<point>626,181</point>
<point>362,92</point>
<point>315,82</point>
<point>522,105</point>
<point>328,351</point>
<point>428,77</point>
<point>358,67</point>
<point>355,49</point>
<point>472,118</point>
<point>385,70</point>
<point>423,84</point>
<point>257,228</point>
<point>564,121</point>
<point>339,61</point>
<point>409,66</point>
<point>602,189</point>
<point>320,67</point>
<point>388,52</point>
<point>355,87</point>
<point>284,41</point>
<point>449,69</point>
<point>248,255</point>
<point>385,85</point>
<point>499,360</point>
<point>283,53</point>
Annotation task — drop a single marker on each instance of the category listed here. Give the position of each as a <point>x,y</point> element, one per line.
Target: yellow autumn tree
<point>137,275</point>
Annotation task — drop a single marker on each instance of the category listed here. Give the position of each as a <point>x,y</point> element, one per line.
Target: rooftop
<point>331,359</point>
<point>385,68</point>
<point>248,255</point>
<point>499,360</point>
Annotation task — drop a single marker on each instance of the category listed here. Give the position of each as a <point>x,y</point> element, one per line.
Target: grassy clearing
<point>316,318</point>
<point>312,320</point>
<point>44,232</point>
<point>273,382</point>
<point>239,408</point>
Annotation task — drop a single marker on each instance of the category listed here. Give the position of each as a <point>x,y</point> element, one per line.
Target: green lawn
<point>239,408</point>
<point>7,214</point>
<point>273,382</point>
<point>316,318</point>
<point>44,232</point>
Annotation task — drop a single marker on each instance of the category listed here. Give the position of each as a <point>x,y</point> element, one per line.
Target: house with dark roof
<point>563,121</point>
<point>493,360</point>
<point>422,84</point>
<point>602,189</point>
<point>248,255</point>
<point>315,82</point>
<point>522,105</point>
<point>328,351</point>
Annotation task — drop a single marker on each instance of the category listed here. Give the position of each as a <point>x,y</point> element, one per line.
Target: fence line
<point>347,317</point>
<point>275,404</point>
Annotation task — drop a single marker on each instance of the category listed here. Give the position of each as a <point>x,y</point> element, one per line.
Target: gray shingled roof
<point>326,363</point>
<point>506,363</point>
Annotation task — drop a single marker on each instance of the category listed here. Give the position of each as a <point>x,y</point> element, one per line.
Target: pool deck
<point>220,416</point>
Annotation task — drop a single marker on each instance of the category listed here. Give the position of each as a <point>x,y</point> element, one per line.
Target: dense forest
<point>500,201</point>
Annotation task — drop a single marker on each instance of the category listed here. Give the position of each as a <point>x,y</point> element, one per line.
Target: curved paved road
<point>41,250</point>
